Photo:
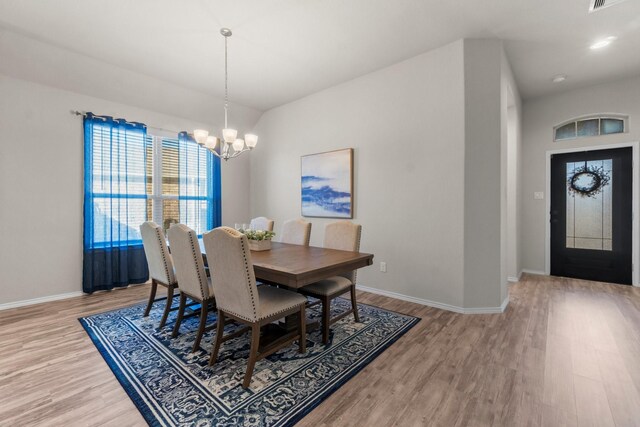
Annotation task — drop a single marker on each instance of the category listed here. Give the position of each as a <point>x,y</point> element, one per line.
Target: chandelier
<point>231,146</point>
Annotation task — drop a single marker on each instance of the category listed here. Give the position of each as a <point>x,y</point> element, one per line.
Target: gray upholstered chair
<point>345,236</point>
<point>194,283</point>
<point>239,298</point>
<point>261,223</point>
<point>160,266</point>
<point>296,232</point>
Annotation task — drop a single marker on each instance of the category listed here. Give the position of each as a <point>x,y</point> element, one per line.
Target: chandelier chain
<point>226,84</point>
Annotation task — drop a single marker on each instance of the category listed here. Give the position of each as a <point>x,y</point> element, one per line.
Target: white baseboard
<point>513,279</point>
<point>435,304</point>
<point>49,298</point>
<point>538,272</point>
<point>489,310</point>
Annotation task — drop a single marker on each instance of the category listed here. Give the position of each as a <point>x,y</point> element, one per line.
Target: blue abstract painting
<point>327,184</point>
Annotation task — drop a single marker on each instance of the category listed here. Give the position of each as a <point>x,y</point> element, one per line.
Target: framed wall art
<point>327,184</point>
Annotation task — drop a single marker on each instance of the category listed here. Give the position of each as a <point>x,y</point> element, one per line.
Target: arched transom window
<point>595,125</point>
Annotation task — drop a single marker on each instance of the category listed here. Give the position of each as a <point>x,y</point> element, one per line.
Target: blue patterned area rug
<point>173,387</point>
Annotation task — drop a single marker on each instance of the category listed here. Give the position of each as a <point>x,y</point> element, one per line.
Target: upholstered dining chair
<point>160,266</point>
<point>345,236</point>
<point>296,232</point>
<point>262,223</point>
<point>194,283</point>
<point>239,298</point>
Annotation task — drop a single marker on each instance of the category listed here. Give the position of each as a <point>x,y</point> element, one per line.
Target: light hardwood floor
<point>565,352</point>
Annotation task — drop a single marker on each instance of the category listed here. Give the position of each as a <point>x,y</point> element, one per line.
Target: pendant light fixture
<point>231,146</point>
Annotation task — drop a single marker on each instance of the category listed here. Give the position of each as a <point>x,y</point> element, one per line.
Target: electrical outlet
<point>383,267</point>
<point>538,195</point>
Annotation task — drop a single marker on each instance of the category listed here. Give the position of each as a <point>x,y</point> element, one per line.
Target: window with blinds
<point>139,177</point>
<point>118,184</point>
<point>180,184</point>
<point>194,164</point>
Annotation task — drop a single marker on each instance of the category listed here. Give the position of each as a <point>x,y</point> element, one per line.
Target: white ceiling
<point>282,50</point>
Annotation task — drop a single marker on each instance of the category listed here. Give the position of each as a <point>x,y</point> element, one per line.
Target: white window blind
<point>138,178</point>
<point>119,176</point>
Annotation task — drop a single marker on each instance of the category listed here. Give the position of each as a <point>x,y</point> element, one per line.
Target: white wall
<point>488,82</point>
<point>430,139</point>
<point>405,124</point>
<point>41,155</point>
<point>482,174</point>
<point>540,116</point>
<point>430,181</point>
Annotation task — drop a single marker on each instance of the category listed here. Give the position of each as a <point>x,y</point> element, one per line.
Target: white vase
<point>260,245</point>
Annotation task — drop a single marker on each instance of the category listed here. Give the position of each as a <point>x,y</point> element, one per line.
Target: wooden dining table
<point>295,266</point>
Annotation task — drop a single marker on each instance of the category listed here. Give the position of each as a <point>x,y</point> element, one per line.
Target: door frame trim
<point>635,174</point>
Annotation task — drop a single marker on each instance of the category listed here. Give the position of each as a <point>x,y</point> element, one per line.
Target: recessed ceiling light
<point>603,43</point>
<point>559,78</point>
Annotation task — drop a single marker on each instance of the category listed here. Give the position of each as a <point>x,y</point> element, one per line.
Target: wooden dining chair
<point>261,223</point>
<point>160,266</point>
<point>296,232</point>
<point>239,298</point>
<point>194,283</point>
<point>345,236</point>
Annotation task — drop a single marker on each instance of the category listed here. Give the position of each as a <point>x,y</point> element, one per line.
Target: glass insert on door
<point>589,205</point>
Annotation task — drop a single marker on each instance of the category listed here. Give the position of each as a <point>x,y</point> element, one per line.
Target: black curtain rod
<point>84,114</point>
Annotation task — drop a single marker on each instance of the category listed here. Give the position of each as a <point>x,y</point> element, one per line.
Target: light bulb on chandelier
<point>232,146</point>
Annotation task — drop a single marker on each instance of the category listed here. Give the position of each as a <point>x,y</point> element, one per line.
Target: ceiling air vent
<point>596,5</point>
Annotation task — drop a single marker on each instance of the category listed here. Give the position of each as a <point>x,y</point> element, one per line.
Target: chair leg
<point>219,332</point>
<point>253,354</point>
<point>152,297</point>
<point>326,317</point>
<point>167,308</point>
<point>203,323</point>
<point>183,303</point>
<point>302,329</point>
<point>354,304</point>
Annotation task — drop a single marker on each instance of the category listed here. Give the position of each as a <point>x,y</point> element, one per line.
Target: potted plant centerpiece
<point>259,240</point>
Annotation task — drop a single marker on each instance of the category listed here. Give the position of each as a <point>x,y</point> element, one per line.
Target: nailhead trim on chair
<point>248,278</point>
<point>164,259</point>
<point>247,273</point>
<point>195,260</point>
